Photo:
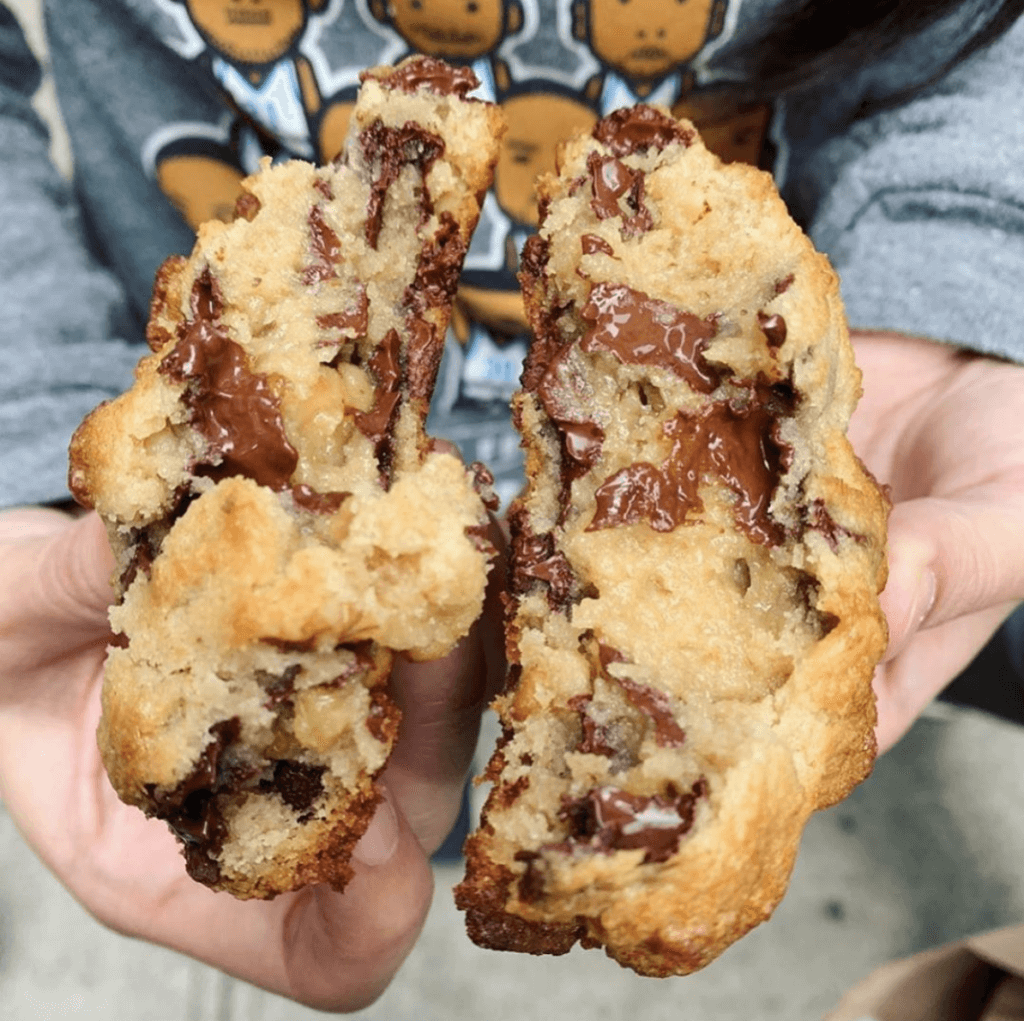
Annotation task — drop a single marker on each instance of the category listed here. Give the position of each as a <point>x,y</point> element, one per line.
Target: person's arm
<point>61,351</point>
<point>920,206</point>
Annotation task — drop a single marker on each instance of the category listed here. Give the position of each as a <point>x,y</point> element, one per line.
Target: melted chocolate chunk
<point>807,589</point>
<point>424,349</point>
<point>547,344</point>
<point>247,206</point>
<point>639,129</point>
<point>362,651</point>
<point>566,396</point>
<point>640,330</point>
<point>234,409</point>
<point>827,623</point>
<point>439,77</point>
<point>817,517</point>
<point>591,244</point>
<point>533,259</point>
<point>597,738</point>
<point>147,541</point>
<point>654,704</point>
<point>279,687</point>
<point>644,492</point>
<point>581,447</point>
<point>741,574</point>
<point>614,185</point>
<point>774,329</point>
<point>299,785</point>
<point>548,341</point>
<point>290,645</point>
<point>325,249</point>
<point>733,440</point>
<point>318,503</point>
<point>376,423</point>
<point>531,883</point>
<point>192,810</point>
<point>554,570</point>
<point>606,655</point>
<point>534,559</point>
<point>609,819</point>
<point>434,285</point>
<point>483,485</point>
<point>437,272</point>
<point>141,559</point>
<point>351,322</point>
<point>394,149</point>
<point>527,550</point>
<point>742,451</point>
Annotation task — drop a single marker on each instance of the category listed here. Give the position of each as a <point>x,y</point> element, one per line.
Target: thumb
<point>57,577</point>
<point>949,558</point>
<point>342,950</point>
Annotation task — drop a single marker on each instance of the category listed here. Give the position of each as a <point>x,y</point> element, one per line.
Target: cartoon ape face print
<point>459,30</point>
<point>734,131</point>
<point>334,127</point>
<point>645,39</point>
<point>250,31</point>
<point>201,186</point>
<point>537,122</point>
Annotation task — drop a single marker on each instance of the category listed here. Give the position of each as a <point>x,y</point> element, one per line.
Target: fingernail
<point>924,600</point>
<point>378,843</point>
<point>911,585</point>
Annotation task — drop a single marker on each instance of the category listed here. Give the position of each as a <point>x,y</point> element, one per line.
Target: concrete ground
<point>928,849</point>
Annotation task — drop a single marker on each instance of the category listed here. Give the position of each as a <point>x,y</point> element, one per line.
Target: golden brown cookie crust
<point>696,559</point>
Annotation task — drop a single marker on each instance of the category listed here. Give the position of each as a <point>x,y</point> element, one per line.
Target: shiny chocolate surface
<point>773,327</point>
<point>324,246</point>
<point>386,368</point>
<point>639,129</point>
<point>592,244</point>
<point>234,409</point>
<point>438,76</point>
<point>391,150</point>
<point>735,441</point>
<point>609,819</point>
<point>350,321</point>
<point>640,330</point>
<point>618,190</point>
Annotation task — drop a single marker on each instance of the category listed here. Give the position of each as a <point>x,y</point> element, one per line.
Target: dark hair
<point>818,39</point>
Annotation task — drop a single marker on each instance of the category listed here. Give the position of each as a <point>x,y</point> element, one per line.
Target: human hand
<point>328,950</point>
<point>945,430</point>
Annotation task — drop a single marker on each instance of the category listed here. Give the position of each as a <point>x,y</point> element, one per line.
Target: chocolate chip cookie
<point>693,621</point>
<point>281,523</point>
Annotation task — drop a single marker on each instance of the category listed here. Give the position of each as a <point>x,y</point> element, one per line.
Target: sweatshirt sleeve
<point>920,205</point>
<point>60,349</point>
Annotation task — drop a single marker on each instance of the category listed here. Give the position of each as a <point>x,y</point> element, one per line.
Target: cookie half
<point>281,523</point>
<point>693,622</point>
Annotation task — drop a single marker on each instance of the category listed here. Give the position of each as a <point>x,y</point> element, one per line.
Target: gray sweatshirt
<point>909,176</point>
